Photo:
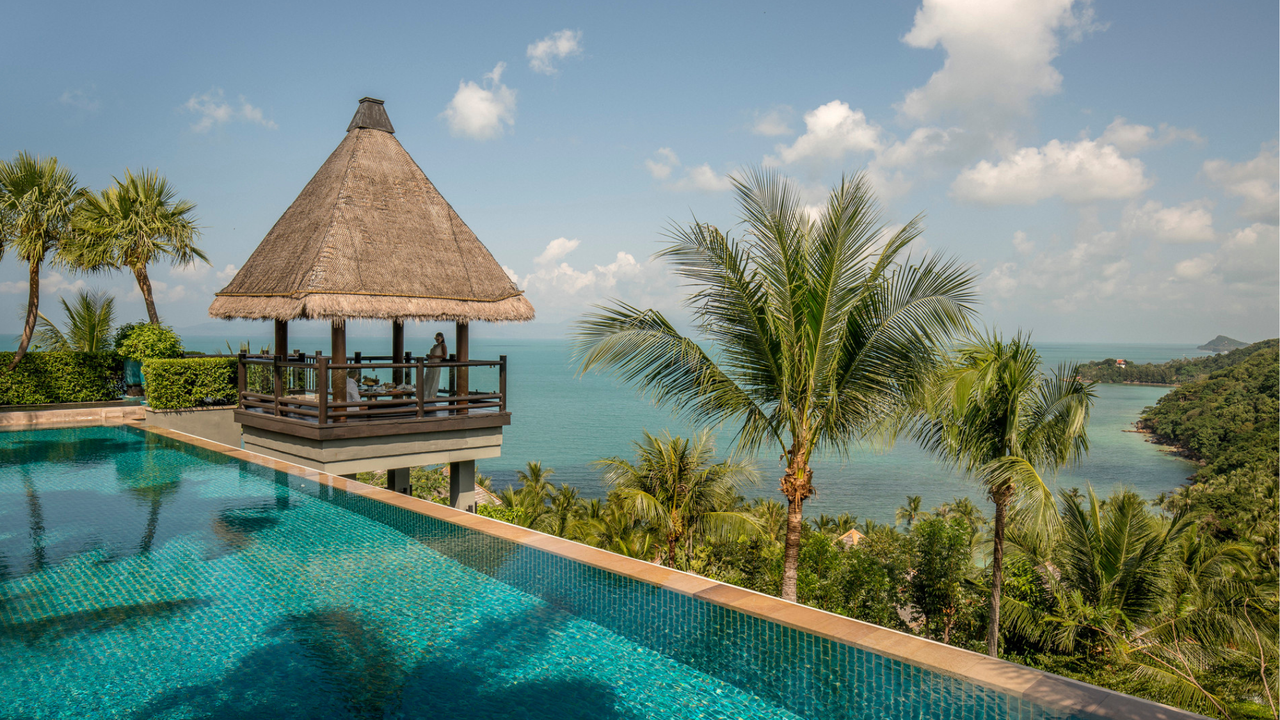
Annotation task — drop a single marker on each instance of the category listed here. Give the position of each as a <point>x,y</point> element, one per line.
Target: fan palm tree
<point>134,223</point>
<point>38,198</point>
<point>995,415</point>
<point>88,326</point>
<point>817,328</point>
<point>675,486</point>
<point>910,512</point>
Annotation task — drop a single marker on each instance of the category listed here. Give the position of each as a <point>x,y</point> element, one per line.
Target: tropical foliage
<point>995,415</point>
<point>88,326</point>
<point>149,342</point>
<point>816,327</point>
<point>38,198</point>
<point>133,224</point>
<point>1174,372</point>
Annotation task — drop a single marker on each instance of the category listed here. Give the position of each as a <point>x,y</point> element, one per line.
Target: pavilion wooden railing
<point>297,387</point>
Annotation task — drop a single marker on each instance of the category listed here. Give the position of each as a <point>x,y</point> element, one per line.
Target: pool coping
<point>1037,686</point>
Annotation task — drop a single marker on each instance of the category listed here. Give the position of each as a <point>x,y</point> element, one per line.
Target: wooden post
<point>277,381</point>
<point>338,356</point>
<point>397,350</point>
<point>282,338</point>
<point>242,380</point>
<point>421,385</point>
<point>322,389</point>
<point>502,383</point>
<point>462,339</point>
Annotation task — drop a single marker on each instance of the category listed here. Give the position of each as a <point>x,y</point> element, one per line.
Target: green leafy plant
<point>178,383</point>
<point>61,377</point>
<point>150,342</point>
<point>87,328</point>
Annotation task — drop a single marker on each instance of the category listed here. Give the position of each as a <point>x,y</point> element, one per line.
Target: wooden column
<point>397,350</point>
<point>282,338</point>
<point>462,341</point>
<point>338,351</point>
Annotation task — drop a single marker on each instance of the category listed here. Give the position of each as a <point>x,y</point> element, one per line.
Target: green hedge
<point>61,377</point>
<point>190,382</point>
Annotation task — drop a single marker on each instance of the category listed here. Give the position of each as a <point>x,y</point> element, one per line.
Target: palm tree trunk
<point>33,311</point>
<point>997,576</point>
<point>791,550</point>
<point>144,284</point>
<point>153,520</point>
<point>797,486</point>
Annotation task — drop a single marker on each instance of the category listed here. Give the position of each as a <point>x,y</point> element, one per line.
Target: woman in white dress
<point>437,355</point>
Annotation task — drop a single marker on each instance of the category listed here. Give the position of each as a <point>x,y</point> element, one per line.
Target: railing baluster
<point>502,383</point>
<point>420,372</point>
<point>322,391</point>
<point>242,381</point>
<point>276,382</point>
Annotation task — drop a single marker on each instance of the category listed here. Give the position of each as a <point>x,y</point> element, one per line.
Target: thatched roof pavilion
<point>371,237</point>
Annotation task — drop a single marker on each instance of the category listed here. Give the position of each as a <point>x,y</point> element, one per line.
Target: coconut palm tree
<point>88,325</point>
<point>910,512</point>
<point>995,415</point>
<point>817,327</point>
<point>134,223</point>
<point>1149,592</point>
<point>675,486</point>
<point>38,198</point>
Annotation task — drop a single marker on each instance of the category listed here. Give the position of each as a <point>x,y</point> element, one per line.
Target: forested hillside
<point>1174,372</point>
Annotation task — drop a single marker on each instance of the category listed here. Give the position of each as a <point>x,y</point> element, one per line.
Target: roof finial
<point>371,115</point>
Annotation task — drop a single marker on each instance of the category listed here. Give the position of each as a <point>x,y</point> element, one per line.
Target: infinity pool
<point>144,578</point>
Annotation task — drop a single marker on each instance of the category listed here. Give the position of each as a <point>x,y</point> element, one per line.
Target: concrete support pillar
<point>462,485</point>
<point>398,481</point>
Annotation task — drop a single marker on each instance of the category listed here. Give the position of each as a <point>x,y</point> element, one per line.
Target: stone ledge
<point>70,417</point>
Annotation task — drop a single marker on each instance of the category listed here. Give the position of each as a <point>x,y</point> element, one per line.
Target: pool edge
<point>1043,688</point>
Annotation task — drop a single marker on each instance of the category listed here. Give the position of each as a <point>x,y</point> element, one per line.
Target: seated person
<point>353,391</point>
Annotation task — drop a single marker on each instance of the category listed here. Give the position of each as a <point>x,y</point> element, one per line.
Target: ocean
<point>567,422</point>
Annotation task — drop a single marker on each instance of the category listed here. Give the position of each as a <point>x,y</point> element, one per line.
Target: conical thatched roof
<point>371,237</point>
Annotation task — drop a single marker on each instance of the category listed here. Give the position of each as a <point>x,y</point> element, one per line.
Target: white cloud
<point>556,46</point>
<point>55,283</point>
<point>1188,222</point>
<point>556,250</point>
<point>1022,244</point>
<point>999,55</point>
<point>700,177</point>
<point>661,168</point>
<point>480,112</point>
<point>511,274</point>
<point>193,270</point>
<point>226,273</point>
<point>1251,257</point>
<point>1254,181</point>
<point>80,99</point>
<point>1079,172</point>
<point>777,121</point>
<point>558,289</point>
<point>1194,268</point>
<point>831,131</point>
<point>161,291</point>
<point>1131,139</point>
<point>213,110</point>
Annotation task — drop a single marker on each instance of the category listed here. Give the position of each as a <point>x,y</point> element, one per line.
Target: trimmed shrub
<point>149,342</point>
<point>61,377</point>
<point>175,384</point>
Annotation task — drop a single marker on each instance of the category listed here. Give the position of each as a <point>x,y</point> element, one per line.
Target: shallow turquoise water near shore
<point>142,578</point>
<point>567,422</point>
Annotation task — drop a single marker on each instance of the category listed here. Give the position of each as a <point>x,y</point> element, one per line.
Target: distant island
<point>1174,372</point>
<point>1222,344</point>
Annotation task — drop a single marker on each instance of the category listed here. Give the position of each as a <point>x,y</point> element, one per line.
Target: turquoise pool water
<point>144,578</point>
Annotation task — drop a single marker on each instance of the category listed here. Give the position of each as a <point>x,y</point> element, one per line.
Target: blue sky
<point>1109,169</point>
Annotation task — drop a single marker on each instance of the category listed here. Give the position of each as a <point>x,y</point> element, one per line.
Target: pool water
<point>144,578</point>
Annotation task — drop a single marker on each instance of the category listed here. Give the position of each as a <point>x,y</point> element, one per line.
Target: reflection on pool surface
<point>143,578</point>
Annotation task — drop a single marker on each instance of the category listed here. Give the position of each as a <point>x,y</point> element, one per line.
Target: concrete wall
<point>352,455</point>
<point>216,423</point>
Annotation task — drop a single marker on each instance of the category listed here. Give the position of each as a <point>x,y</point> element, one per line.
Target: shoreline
<point>1163,445</point>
